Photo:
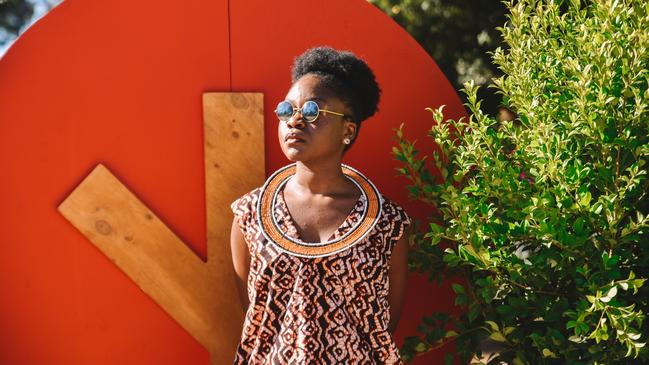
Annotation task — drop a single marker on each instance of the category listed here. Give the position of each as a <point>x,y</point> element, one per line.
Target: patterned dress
<point>323,310</point>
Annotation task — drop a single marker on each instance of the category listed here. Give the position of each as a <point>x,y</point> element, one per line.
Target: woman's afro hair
<point>345,74</point>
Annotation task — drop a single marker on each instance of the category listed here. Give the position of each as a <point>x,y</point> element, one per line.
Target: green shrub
<point>543,219</point>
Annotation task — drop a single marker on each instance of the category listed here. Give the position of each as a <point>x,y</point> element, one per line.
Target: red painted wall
<point>120,82</point>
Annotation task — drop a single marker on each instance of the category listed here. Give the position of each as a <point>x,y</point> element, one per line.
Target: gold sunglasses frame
<point>299,110</point>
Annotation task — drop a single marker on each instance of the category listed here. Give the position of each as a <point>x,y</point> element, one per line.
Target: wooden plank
<point>200,296</point>
<point>234,158</point>
<point>234,165</point>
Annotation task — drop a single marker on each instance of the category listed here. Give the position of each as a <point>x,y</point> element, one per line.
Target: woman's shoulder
<point>246,203</point>
<point>395,217</point>
<point>391,209</point>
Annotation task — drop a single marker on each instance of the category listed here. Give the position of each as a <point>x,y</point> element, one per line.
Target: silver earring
<point>347,140</point>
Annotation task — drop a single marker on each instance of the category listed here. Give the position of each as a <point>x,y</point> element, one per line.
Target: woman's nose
<point>296,121</point>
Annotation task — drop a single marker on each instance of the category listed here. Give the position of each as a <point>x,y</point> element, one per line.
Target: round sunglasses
<point>309,110</point>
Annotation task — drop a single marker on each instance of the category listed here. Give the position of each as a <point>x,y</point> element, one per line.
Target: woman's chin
<point>294,154</point>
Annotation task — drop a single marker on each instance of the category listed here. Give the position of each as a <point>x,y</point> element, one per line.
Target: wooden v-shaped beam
<point>200,296</point>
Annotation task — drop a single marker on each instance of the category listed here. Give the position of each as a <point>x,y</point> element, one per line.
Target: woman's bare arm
<point>240,262</point>
<point>398,277</point>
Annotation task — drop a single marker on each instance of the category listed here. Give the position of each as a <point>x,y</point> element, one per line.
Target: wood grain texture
<point>200,296</point>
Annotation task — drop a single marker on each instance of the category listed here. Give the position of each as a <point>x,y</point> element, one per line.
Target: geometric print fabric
<point>322,310</point>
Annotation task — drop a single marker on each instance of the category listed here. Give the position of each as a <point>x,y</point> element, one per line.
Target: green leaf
<point>421,347</point>
<point>493,325</point>
<point>612,292</point>
<point>584,199</point>
<point>547,353</point>
<point>597,208</point>
<point>451,334</point>
<point>498,337</point>
<point>457,288</point>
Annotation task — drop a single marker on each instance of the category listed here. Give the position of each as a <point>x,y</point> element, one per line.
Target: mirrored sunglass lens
<point>310,110</point>
<point>284,110</point>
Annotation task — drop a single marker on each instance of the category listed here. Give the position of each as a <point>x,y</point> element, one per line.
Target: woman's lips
<point>293,138</point>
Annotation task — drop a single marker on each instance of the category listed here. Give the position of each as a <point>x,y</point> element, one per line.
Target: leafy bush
<point>543,219</point>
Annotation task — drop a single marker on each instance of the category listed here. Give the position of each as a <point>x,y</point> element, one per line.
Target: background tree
<point>458,34</point>
<point>17,15</point>
<point>13,15</point>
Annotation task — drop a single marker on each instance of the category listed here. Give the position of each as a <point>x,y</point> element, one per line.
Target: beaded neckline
<point>272,232</point>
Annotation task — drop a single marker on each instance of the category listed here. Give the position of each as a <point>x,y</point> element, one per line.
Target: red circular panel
<point>120,82</point>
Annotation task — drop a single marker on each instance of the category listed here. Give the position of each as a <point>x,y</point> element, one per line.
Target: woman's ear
<point>349,129</point>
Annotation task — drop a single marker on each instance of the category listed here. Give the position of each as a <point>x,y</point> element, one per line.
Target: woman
<point>320,255</point>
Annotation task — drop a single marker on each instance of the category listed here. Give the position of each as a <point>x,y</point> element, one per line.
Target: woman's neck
<point>319,178</point>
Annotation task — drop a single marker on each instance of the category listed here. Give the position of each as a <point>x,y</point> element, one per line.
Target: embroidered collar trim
<point>273,233</point>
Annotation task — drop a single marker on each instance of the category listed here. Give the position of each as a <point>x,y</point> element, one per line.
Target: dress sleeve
<point>398,219</point>
<point>242,209</point>
<point>404,222</point>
